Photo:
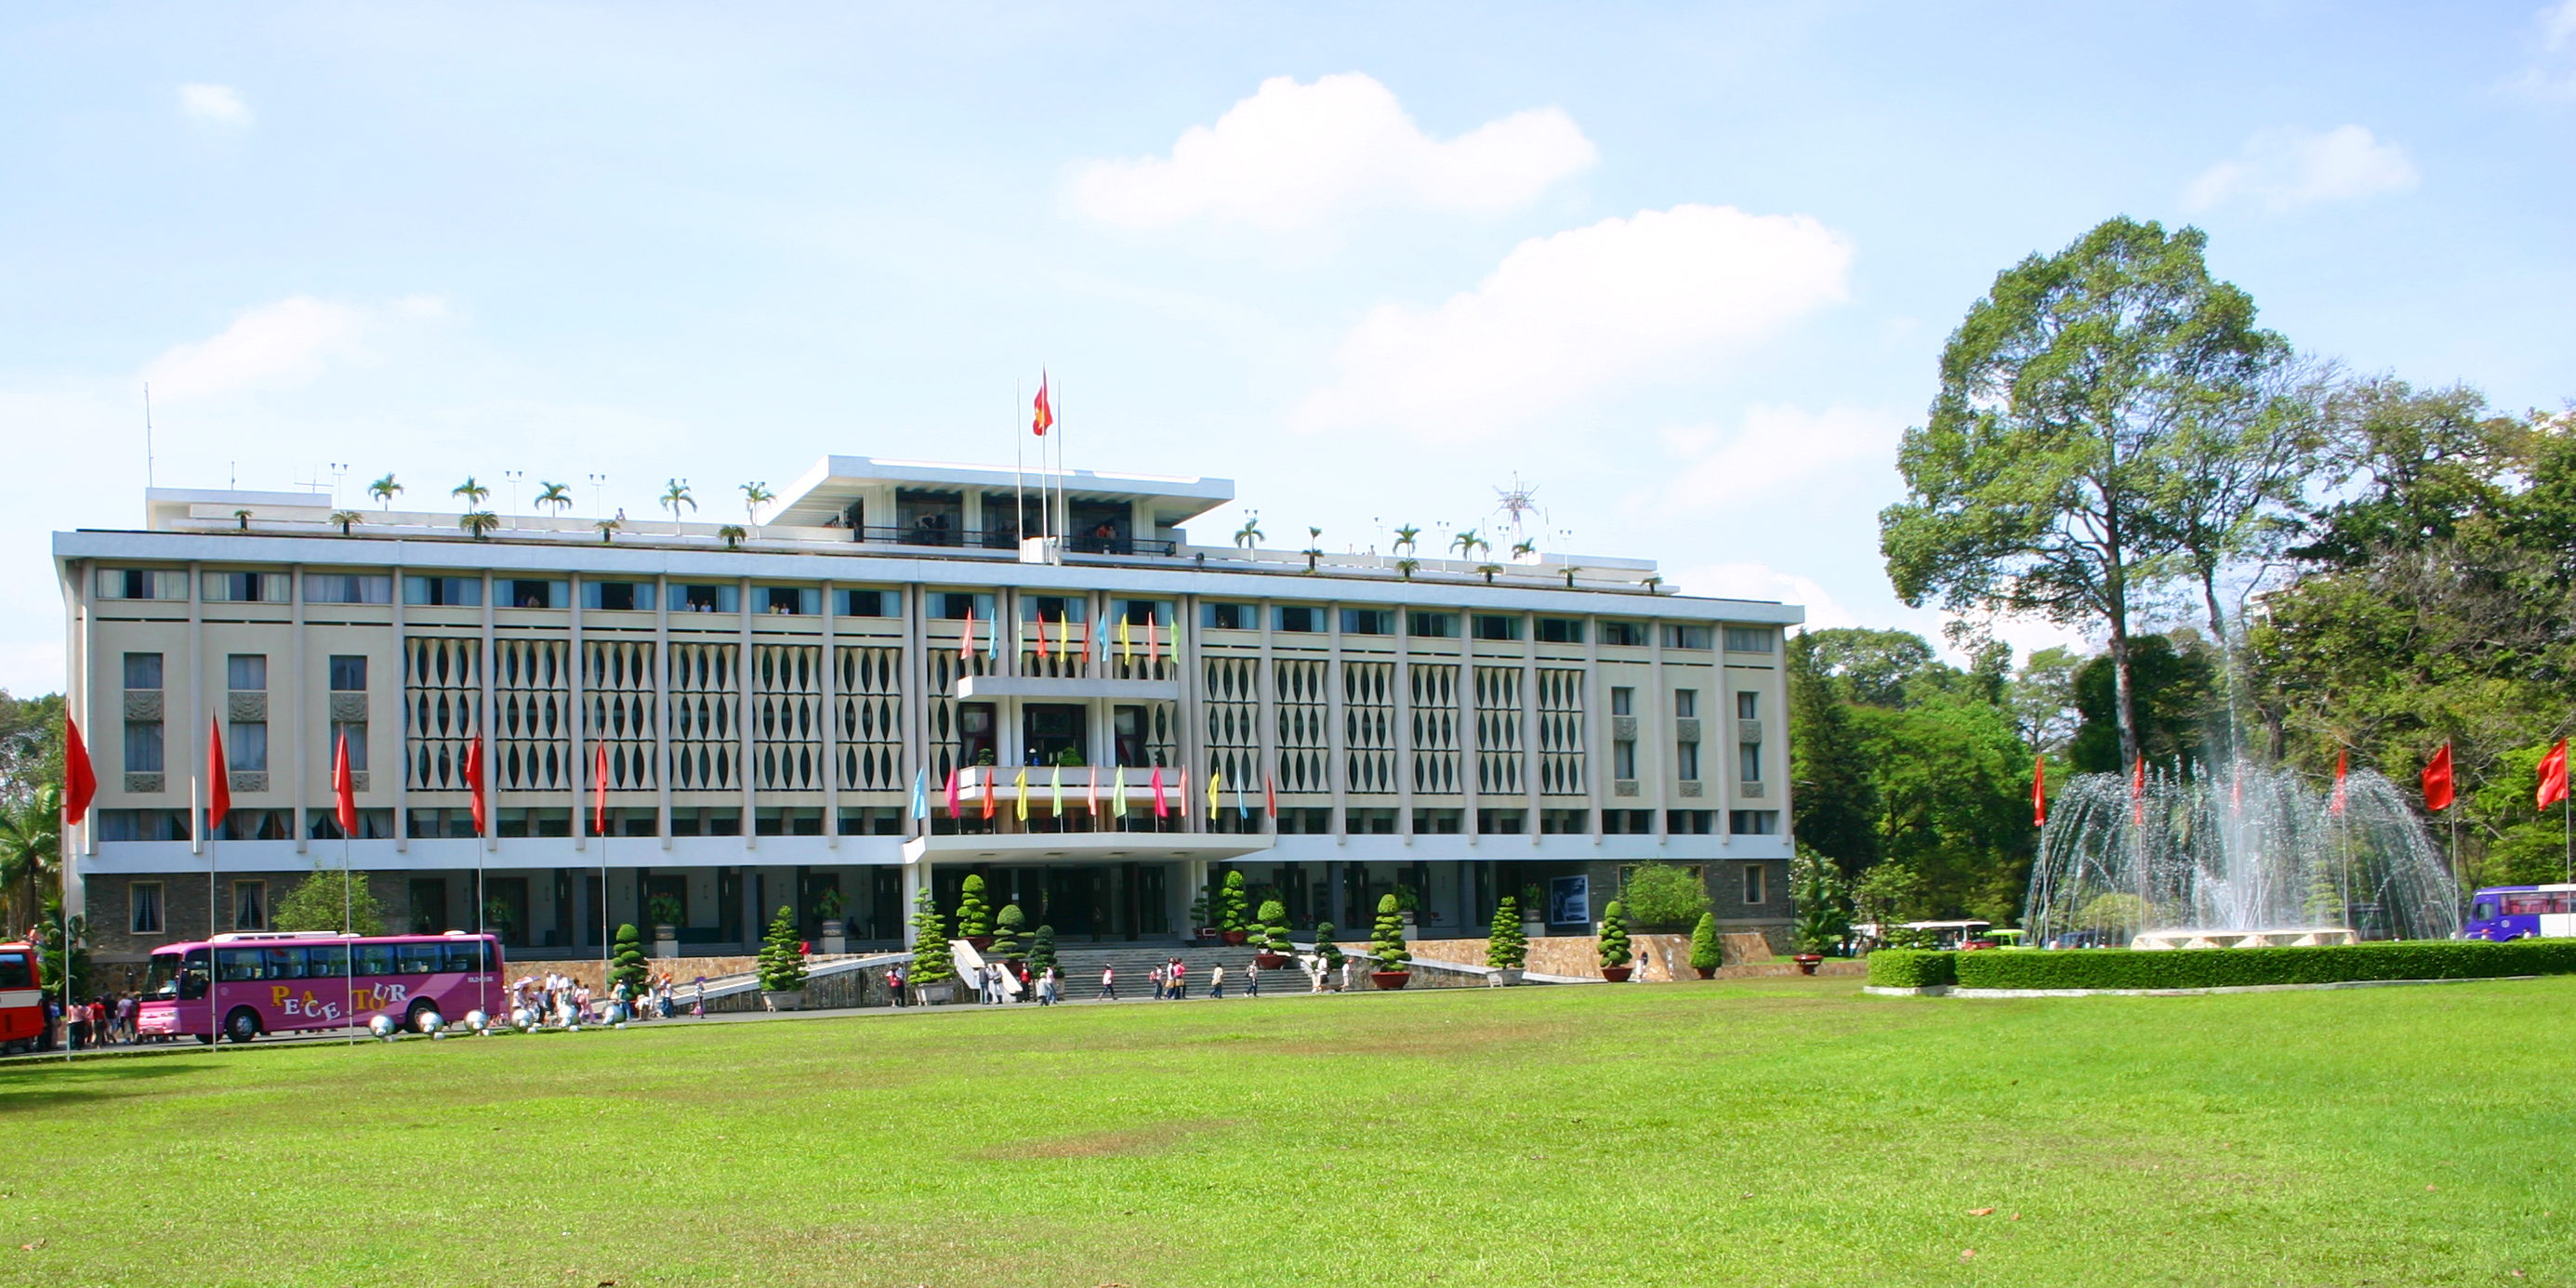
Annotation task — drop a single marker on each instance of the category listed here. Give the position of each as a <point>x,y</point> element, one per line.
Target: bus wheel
<point>242,1025</point>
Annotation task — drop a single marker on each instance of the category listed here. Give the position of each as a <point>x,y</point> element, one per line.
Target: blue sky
<point>1685,268</point>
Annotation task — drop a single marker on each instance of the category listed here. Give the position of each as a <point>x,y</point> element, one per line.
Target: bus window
<point>415,959</point>
<point>328,961</point>
<point>17,970</point>
<point>2484,911</point>
<point>281,963</point>
<point>2525,905</point>
<point>235,965</point>
<point>375,959</point>
<point>461,956</point>
<point>192,978</point>
<point>162,977</point>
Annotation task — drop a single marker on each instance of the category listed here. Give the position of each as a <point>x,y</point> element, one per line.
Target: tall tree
<point>1833,807</point>
<point>2046,479</point>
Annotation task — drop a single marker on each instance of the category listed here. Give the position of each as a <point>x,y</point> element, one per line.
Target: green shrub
<point>1706,952</point>
<point>665,910</point>
<point>974,918</point>
<point>1325,948</point>
<point>1006,930</point>
<point>1042,950</point>
<point>1506,948</point>
<point>1387,945</point>
<point>626,962</point>
<point>1270,929</point>
<point>1232,904</point>
<point>1914,968</point>
<point>1660,894</point>
<point>330,899</point>
<point>1614,935</point>
<point>931,962</point>
<point>782,958</point>
<point>2244,967</point>
<point>829,905</point>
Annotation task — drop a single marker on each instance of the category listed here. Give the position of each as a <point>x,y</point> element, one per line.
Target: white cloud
<point>1778,445</point>
<point>1293,155</point>
<point>2552,74</point>
<point>1666,293</point>
<point>280,345</point>
<point>2287,167</point>
<point>1762,582</point>
<point>214,105</point>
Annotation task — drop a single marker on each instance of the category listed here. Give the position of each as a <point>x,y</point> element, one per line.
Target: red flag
<point>474,784</point>
<point>344,789</point>
<point>2138,791</point>
<point>1092,792</point>
<point>80,782</point>
<point>1153,651</point>
<point>2334,803</point>
<point>1270,794</point>
<point>1160,809</point>
<point>1041,416</point>
<point>219,779</point>
<point>966,641</point>
<point>2553,776</point>
<point>2437,780</point>
<point>1086,643</point>
<point>599,791</point>
<point>954,809</point>
<point>2039,791</point>
<point>1041,633</point>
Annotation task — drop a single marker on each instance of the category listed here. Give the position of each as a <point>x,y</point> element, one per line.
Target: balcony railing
<point>1002,539</point>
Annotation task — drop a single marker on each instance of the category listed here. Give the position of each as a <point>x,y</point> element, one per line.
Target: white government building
<point>1451,729</point>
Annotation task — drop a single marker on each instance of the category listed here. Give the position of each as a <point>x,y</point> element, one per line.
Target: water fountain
<point>2242,855</point>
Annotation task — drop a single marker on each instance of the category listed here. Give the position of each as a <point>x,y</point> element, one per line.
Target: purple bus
<point>2500,913</point>
<point>285,981</point>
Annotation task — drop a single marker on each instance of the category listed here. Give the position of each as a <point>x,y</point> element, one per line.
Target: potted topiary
<point>1042,950</point>
<point>1387,946</point>
<point>1533,913</point>
<point>1615,953</point>
<point>626,964</point>
<point>666,913</point>
<point>974,919</point>
<point>1007,926</point>
<point>1200,928</point>
<point>1271,936</point>
<point>934,972</point>
<point>1706,954</point>
<point>1506,949</point>
<point>782,964</point>
<point>1328,955</point>
<point>828,907</point>
<point>1232,909</point>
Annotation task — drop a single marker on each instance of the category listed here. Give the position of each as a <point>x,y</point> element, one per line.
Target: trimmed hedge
<point>2240,967</point>
<point>1912,968</point>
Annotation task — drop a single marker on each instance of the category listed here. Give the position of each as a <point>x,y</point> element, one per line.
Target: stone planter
<point>1706,972</point>
<point>1271,961</point>
<point>835,936</point>
<point>939,994</point>
<point>1506,976</point>
<point>1235,938</point>
<point>1390,978</point>
<point>792,1000</point>
<point>1616,974</point>
<point>666,941</point>
<point>1807,962</point>
<point>1534,929</point>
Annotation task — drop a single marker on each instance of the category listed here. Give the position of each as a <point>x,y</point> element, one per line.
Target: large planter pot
<point>1205,934</point>
<point>835,937</point>
<point>666,941</point>
<point>1534,929</point>
<point>1807,962</point>
<point>1235,938</point>
<point>1390,978</point>
<point>1506,976</point>
<point>1617,974</point>
<point>1706,972</point>
<point>1271,961</point>
<point>981,942</point>
<point>939,994</point>
<point>792,1000</point>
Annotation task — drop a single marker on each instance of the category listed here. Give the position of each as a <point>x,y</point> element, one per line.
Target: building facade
<point>890,679</point>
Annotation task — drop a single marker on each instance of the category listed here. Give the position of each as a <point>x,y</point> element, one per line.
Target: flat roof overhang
<point>1084,847</point>
<point>1070,688</point>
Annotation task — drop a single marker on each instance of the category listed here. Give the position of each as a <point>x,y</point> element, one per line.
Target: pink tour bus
<point>283,981</point>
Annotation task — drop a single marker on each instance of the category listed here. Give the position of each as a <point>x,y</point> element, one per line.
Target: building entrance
<point>1085,902</point>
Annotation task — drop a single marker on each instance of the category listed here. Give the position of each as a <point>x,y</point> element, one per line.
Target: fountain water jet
<point>2246,854</point>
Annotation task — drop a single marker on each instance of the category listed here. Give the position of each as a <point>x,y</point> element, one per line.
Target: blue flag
<point>921,793</point>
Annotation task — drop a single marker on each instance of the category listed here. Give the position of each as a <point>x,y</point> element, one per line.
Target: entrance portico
<point>1097,885</point>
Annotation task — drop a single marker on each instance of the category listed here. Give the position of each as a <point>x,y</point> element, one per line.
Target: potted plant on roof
<point>828,907</point>
<point>974,919</point>
<point>1506,948</point>
<point>1706,953</point>
<point>1615,953</point>
<point>1232,910</point>
<point>782,964</point>
<point>934,972</point>
<point>666,913</point>
<point>1387,947</point>
<point>1533,913</point>
<point>1272,936</point>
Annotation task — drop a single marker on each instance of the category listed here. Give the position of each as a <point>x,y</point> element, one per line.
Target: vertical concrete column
<point>1596,728</point>
<point>1529,726</point>
<point>1403,699</point>
<point>1336,718</point>
<point>662,705</point>
<point>1265,689</point>
<point>743,730</point>
<point>1471,748</point>
<point>576,690</point>
<point>831,661</point>
<point>1651,757</point>
<point>300,679</point>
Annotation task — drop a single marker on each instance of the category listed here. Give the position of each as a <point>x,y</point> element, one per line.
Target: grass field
<point>1764,1132</point>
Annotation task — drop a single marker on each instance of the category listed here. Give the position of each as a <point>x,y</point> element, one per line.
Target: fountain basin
<point>2272,937</point>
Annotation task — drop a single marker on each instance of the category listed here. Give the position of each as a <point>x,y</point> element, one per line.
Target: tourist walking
<point>1160,977</point>
<point>1216,980</point>
<point>1108,983</point>
<point>1252,979</point>
<point>1180,980</point>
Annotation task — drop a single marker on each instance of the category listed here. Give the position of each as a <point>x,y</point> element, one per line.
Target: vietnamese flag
<point>1160,809</point>
<point>2437,780</point>
<point>1270,794</point>
<point>2335,803</point>
<point>1041,416</point>
<point>954,810</point>
<point>2039,791</point>
<point>599,791</point>
<point>2553,776</point>
<point>474,784</point>
<point>219,780</point>
<point>344,789</point>
<point>80,781</point>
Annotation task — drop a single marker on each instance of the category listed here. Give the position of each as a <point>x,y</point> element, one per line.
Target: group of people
<point>561,999</point>
<point>105,1020</point>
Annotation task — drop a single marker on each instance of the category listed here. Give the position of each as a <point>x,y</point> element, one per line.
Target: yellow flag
<point>1118,796</point>
<point>1021,809</point>
<point>1215,776</point>
<point>1126,651</point>
<point>1058,786</point>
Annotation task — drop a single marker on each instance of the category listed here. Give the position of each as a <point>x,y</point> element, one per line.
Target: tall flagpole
<point>1019,492</point>
<point>348,943</point>
<point>63,862</point>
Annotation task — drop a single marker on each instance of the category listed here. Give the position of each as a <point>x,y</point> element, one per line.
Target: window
<point>143,670</point>
<point>1686,703</point>
<point>1440,626</point>
<point>1560,630</point>
<point>1498,626</point>
<point>1749,761</point>
<point>618,596</point>
<point>143,907</point>
<point>347,588</point>
<point>246,672</point>
<point>1056,610</point>
<point>1623,701</point>
<point>522,592</point>
<point>422,959</point>
<point>250,905</point>
<point>356,732</point>
<point>246,746</point>
<point>143,752</point>
<point>1302,619</point>
<point>141,583</point>
<point>1686,760</point>
<point>246,587</point>
<point>1502,822</point>
<point>444,592</point>
<point>1369,822</point>
<point>1747,639</point>
<point>1689,822</point>
<point>956,606</point>
<point>1748,706</point>
<point>1623,758</point>
<point>1628,822</point>
<point>707,599</point>
<point>1686,637</point>
<point>1624,634</point>
<point>864,603</point>
<point>1226,617</point>
<point>348,673</point>
<point>1754,884</point>
<point>1435,822</point>
<point>1367,621</point>
<point>1754,822</point>
<point>1564,822</point>
<point>1138,612</point>
<point>793,601</point>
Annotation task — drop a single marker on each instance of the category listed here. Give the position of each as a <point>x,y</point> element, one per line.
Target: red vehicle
<point>283,981</point>
<point>22,998</point>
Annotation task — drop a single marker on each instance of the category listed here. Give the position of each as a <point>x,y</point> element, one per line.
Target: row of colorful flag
<point>2439,790</point>
<point>1087,795</point>
<point>1065,648</point>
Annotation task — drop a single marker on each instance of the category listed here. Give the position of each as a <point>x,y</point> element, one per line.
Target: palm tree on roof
<point>472,491</point>
<point>675,496</point>
<point>347,519</point>
<point>558,495</point>
<point>384,490</point>
<point>754,496</point>
<point>1467,544</point>
<point>1250,531</point>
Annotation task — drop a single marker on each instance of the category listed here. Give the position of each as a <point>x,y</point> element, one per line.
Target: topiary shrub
<point>1660,894</point>
<point>1270,929</point>
<point>1387,945</point>
<point>1006,930</point>
<point>1328,952</point>
<point>1042,950</point>
<point>1506,948</point>
<point>1706,952</point>
<point>1233,904</point>
<point>1614,936</point>
<point>1914,968</point>
<point>782,958</point>
<point>626,962</point>
<point>931,962</point>
<point>974,919</point>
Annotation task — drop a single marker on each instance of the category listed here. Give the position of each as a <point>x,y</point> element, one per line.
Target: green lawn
<point>1763,1132</point>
